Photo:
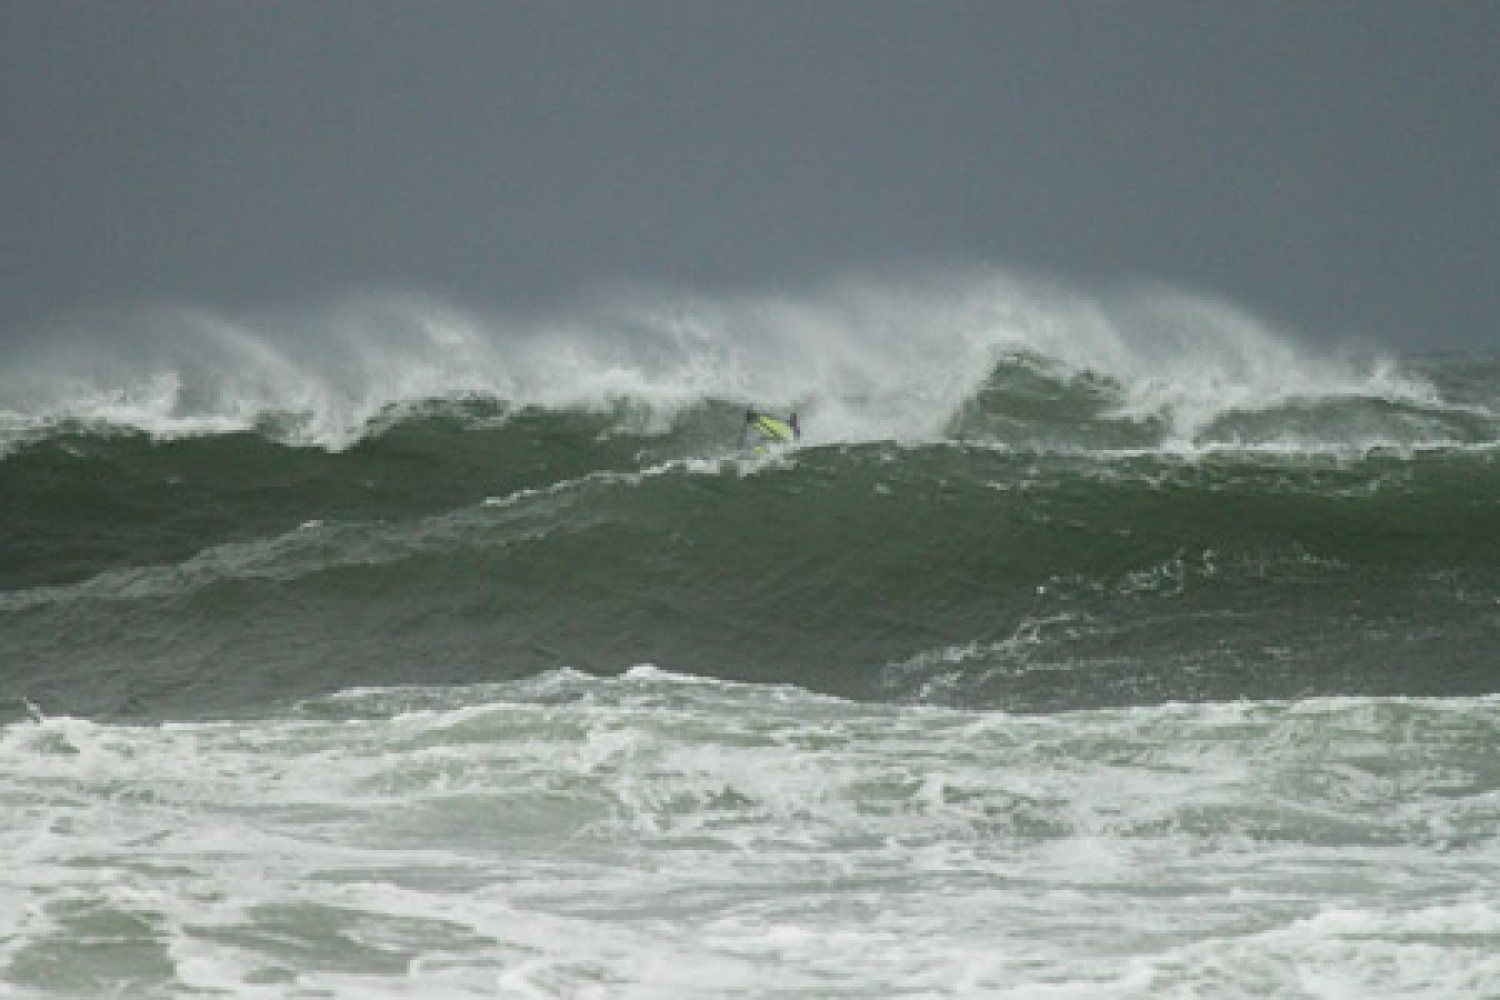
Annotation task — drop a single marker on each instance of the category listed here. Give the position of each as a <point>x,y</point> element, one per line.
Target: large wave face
<point>1008,495</point>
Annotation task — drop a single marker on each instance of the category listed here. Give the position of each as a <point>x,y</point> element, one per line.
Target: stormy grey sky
<point>1334,166</point>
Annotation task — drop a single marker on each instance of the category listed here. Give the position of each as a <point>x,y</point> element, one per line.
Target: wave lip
<point>874,358</point>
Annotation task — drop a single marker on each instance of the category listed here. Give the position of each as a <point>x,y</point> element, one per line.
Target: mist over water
<point>873,359</point>
<point>1086,645</point>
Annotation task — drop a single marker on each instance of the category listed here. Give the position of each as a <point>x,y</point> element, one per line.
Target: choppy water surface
<point>1095,648</point>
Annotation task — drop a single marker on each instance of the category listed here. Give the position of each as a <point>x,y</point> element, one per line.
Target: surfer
<point>761,430</point>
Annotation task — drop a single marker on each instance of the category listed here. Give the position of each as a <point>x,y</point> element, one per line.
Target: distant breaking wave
<point>979,356</point>
<point>1008,495</point>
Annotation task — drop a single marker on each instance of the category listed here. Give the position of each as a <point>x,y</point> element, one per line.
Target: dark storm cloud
<point>1332,163</point>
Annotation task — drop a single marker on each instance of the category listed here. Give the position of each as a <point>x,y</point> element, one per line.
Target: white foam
<point>880,357</point>
<point>658,836</point>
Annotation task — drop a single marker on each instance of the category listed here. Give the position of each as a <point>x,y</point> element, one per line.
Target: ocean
<point>1112,645</point>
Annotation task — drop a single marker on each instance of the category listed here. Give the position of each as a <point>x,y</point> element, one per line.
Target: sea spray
<point>870,359</point>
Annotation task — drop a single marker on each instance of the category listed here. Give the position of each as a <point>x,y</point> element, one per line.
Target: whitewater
<point>879,359</point>
<point>1090,644</point>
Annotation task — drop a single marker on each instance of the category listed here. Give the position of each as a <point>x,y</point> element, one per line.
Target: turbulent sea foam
<point>1085,646</point>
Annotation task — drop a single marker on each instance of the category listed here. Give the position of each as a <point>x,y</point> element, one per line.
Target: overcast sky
<point>1335,166</point>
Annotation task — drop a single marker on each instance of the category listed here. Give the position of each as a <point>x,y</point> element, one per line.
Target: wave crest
<point>979,354</point>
